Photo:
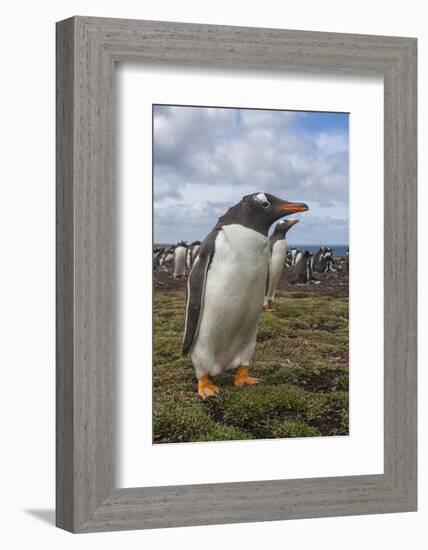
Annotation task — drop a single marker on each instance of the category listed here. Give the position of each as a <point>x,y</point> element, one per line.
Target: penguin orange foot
<point>242,378</point>
<point>268,306</point>
<point>206,387</point>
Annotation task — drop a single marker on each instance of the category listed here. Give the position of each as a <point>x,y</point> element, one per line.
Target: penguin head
<point>272,207</point>
<point>260,210</point>
<point>283,226</point>
<point>287,224</point>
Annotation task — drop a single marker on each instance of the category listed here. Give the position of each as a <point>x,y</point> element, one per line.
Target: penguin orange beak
<point>292,207</point>
<point>293,222</point>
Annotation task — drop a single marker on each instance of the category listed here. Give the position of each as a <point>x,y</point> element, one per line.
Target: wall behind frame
<point>27,352</point>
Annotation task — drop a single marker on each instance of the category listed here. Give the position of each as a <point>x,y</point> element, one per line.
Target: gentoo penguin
<point>304,270</point>
<point>297,257</point>
<point>326,261</point>
<point>226,288</point>
<point>317,258</point>
<point>293,253</point>
<point>288,260</point>
<point>180,252</point>
<point>278,253</point>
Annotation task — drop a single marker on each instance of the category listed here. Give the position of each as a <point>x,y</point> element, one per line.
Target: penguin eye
<point>262,199</point>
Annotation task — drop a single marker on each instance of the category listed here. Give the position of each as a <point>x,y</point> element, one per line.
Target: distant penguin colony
<point>278,254</point>
<point>232,276</point>
<point>168,258</point>
<point>226,289</point>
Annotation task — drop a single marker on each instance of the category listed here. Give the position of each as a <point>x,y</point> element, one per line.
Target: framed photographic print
<point>236,274</point>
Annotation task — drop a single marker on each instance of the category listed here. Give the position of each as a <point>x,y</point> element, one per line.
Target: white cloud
<point>332,143</point>
<point>199,149</point>
<point>187,222</point>
<point>163,190</point>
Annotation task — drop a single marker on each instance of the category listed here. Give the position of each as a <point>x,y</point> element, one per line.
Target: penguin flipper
<point>196,289</point>
<point>267,279</point>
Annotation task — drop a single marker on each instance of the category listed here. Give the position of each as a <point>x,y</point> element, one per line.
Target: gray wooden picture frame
<point>87,50</point>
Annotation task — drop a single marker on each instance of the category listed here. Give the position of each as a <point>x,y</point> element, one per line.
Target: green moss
<point>329,412</point>
<point>301,357</point>
<point>249,406</point>
<point>324,378</point>
<point>269,327</point>
<point>292,428</point>
<point>177,422</point>
<point>298,295</point>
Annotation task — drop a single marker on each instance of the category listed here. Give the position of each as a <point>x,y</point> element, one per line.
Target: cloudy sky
<point>207,159</point>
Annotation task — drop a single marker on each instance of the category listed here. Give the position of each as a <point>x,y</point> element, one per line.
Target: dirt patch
<point>334,284</point>
<point>164,280</point>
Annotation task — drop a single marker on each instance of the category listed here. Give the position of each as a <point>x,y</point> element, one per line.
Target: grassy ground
<point>301,356</point>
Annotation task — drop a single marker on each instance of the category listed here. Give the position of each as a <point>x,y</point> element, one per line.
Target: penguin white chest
<point>233,300</point>
<point>276,264</point>
<point>179,261</point>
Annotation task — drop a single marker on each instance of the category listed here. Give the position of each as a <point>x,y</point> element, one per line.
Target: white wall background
<point>27,272</point>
